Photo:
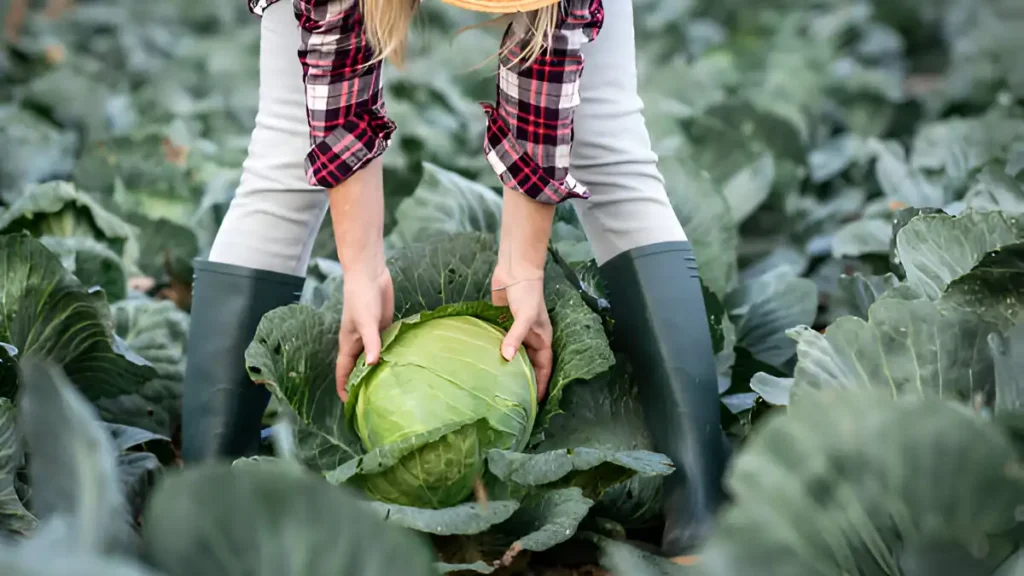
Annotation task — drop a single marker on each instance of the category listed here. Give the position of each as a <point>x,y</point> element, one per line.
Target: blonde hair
<point>387,24</point>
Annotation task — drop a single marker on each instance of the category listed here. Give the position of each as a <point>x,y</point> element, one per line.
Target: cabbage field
<point>850,174</point>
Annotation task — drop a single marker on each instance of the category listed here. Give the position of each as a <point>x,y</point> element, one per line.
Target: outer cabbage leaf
<point>622,558</point>
<point>912,344</point>
<point>45,311</point>
<point>92,262</point>
<point>544,520</point>
<point>465,519</point>
<point>936,249</point>
<point>600,443</point>
<point>293,354</point>
<point>905,347</point>
<point>35,561</point>
<point>59,209</point>
<point>1008,355</point>
<point>166,248</point>
<point>14,517</point>
<point>34,151</point>
<point>157,331</point>
<point>707,218</point>
<point>73,464</point>
<point>993,287</point>
<point>445,203</point>
<point>856,482</point>
<point>764,308</point>
<point>208,520</point>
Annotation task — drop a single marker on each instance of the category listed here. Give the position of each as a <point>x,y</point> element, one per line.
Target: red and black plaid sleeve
<point>530,129</point>
<point>348,123</point>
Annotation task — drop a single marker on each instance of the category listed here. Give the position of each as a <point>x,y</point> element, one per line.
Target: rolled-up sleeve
<point>530,127</point>
<point>348,123</point>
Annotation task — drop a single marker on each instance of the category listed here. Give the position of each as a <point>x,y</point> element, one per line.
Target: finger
<point>514,339</point>
<point>543,363</point>
<point>350,346</point>
<point>345,363</point>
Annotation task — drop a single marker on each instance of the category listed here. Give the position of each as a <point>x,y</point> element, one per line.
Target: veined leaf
<point>936,249</point>
<point>73,465</point>
<point>856,482</point>
<point>207,520</point>
<point>14,517</point>
<point>46,312</point>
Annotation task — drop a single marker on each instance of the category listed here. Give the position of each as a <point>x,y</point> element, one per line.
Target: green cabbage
<point>442,385</point>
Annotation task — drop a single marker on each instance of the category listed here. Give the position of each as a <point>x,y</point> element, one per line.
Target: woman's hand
<point>531,326</point>
<point>357,213</point>
<point>518,281</point>
<point>369,309</point>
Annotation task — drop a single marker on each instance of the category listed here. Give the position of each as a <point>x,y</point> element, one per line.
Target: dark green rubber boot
<point>660,322</point>
<point>222,410</point>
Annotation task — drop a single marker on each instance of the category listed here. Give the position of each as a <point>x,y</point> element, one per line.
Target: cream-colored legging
<point>276,214</point>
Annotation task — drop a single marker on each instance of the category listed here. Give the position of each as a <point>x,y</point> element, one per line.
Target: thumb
<point>514,339</point>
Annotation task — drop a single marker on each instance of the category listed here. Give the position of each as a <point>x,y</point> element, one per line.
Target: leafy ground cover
<point>851,174</point>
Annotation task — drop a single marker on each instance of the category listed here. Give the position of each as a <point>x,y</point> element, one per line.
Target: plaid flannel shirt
<point>529,127</point>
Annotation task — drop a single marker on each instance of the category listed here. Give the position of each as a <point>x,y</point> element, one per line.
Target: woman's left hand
<point>531,326</point>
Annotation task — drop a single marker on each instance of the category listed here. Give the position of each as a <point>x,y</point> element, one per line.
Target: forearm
<point>525,232</point>
<point>357,215</point>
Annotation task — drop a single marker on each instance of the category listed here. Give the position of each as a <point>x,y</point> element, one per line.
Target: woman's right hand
<point>369,309</point>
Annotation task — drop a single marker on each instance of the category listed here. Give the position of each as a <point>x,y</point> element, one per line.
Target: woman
<point>320,130</point>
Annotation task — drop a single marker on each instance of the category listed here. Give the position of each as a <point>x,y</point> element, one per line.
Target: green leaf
<point>45,311</point>
<point>545,520</point>
<point>60,209</point>
<point>905,347</point>
<point>995,190</point>
<point>579,343</point>
<point>592,470</point>
<point>588,408</point>
<point>480,567</point>
<point>465,519</point>
<point>1008,355</point>
<point>73,465</point>
<point>14,517</point>
<point>747,190</point>
<point>773,389</point>
<point>854,481</point>
<point>208,520</point>
<point>35,150</point>
<point>834,156</point>
<point>862,291</point>
<point>157,331</point>
<point>445,203</point>
<point>166,248</point>
<point>293,354</point>
<point>764,308</point>
<point>443,271</point>
<point>988,289</point>
<point>34,561</point>
<point>623,558</point>
<point>936,249</point>
<point>92,262</point>
<point>957,146</point>
<point>861,238</point>
<point>901,182</point>
<point>707,219</point>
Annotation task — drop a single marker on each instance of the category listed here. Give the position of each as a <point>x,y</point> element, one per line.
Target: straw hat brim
<point>501,6</point>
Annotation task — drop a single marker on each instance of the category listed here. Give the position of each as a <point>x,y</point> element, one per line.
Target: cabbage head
<point>442,396</point>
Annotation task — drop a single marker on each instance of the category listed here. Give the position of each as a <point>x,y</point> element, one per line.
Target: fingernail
<point>509,353</point>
